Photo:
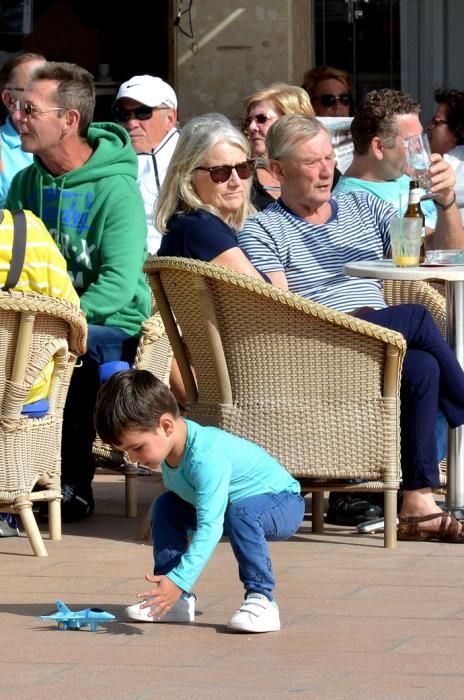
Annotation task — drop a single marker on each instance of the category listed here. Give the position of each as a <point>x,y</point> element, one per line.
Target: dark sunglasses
<point>331,100</point>
<point>222,173</point>
<point>258,118</point>
<point>141,113</point>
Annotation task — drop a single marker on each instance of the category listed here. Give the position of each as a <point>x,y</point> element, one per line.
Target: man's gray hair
<point>288,131</point>
<point>197,138</point>
<point>75,89</point>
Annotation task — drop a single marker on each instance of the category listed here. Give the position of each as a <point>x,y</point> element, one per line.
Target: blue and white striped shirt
<point>312,256</point>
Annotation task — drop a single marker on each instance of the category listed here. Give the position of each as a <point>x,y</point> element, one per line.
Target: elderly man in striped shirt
<point>302,242</point>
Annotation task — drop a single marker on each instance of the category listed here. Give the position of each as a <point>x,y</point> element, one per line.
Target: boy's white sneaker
<point>182,611</point>
<point>256,614</point>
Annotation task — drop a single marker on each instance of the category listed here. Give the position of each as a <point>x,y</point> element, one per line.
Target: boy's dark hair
<point>131,400</point>
<point>375,116</point>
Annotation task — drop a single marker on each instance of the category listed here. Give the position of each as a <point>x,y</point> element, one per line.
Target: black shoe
<point>352,508</point>
<point>74,506</point>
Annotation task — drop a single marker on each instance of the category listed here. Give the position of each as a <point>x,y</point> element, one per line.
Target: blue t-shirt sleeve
<point>199,235</point>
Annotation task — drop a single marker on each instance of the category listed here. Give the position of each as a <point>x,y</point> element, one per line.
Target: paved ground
<point>358,621</point>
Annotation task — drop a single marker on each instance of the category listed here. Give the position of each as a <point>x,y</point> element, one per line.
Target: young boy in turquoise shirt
<point>218,484</point>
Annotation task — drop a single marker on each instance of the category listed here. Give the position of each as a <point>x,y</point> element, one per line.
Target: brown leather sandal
<point>450,529</point>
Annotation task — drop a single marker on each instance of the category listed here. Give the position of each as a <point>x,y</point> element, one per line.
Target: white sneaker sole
<point>244,627</point>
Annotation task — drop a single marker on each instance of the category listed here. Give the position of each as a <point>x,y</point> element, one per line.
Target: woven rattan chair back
<point>405,292</point>
<point>155,355</point>
<point>433,297</point>
<point>34,329</point>
<point>317,388</point>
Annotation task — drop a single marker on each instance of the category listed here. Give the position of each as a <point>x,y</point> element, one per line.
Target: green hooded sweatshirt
<point>96,215</point>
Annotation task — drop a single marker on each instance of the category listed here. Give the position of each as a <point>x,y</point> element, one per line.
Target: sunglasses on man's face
<point>29,109</point>
<point>331,100</point>
<point>222,173</point>
<point>141,113</point>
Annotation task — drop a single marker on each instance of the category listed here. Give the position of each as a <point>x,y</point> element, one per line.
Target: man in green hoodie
<point>83,185</point>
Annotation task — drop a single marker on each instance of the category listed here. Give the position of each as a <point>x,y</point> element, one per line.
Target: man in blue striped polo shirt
<point>302,242</point>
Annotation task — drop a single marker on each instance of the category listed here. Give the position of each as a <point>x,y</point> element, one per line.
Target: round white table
<point>453,276</point>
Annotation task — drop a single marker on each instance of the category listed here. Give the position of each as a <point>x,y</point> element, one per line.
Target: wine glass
<point>418,153</point>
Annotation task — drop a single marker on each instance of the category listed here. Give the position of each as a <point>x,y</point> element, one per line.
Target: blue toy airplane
<point>68,620</point>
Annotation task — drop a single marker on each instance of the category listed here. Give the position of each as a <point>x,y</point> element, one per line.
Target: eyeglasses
<point>435,121</point>
<point>30,110</point>
<point>12,88</point>
<point>222,173</point>
<point>142,113</point>
<point>259,119</point>
<point>330,100</point>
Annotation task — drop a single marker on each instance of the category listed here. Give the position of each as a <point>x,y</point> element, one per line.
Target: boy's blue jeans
<point>250,524</point>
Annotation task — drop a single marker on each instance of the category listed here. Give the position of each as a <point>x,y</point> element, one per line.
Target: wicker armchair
<point>33,330</point>
<point>155,355</point>
<point>317,388</point>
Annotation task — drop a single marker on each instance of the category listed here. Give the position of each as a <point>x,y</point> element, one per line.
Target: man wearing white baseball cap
<point>147,108</point>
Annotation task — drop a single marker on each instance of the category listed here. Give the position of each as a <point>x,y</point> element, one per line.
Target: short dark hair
<point>454,101</point>
<point>375,116</point>
<point>131,400</point>
<point>76,89</point>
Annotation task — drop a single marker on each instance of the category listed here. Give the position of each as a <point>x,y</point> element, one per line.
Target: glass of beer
<point>406,239</point>
<point>417,150</point>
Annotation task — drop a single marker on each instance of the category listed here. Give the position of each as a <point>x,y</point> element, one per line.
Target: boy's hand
<point>161,599</point>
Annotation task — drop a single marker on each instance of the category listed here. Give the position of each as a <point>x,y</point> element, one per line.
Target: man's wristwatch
<point>445,207</point>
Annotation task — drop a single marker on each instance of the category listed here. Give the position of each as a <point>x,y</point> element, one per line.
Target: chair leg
<point>31,529</point>
<point>54,519</point>
<point>131,490</point>
<point>317,508</point>
<point>390,506</point>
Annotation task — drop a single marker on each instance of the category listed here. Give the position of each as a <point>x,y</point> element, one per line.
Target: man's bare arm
<point>278,279</point>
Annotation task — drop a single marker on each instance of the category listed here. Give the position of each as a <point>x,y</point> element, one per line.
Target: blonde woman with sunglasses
<point>205,197</point>
<point>262,108</point>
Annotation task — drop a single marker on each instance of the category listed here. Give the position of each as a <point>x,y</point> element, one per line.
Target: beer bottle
<point>414,211</point>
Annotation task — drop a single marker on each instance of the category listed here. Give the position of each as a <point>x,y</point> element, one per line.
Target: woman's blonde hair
<point>196,140</point>
<point>288,99</point>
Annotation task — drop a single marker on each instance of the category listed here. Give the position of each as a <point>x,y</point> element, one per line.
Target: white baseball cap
<point>148,91</point>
